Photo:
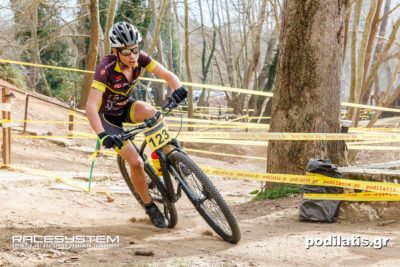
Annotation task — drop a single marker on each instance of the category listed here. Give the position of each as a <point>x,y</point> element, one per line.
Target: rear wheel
<point>156,190</point>
<point>206,198</point>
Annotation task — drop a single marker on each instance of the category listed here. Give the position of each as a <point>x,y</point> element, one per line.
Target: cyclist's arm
<point>92,103</point>
<point>171,79</point>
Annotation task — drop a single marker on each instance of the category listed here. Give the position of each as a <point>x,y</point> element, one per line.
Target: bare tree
<point>80,42</point>
<point>311,45</point>
<point>239,44</point>
<point>158,88</point>
<point>36,74</point>
<point>206,60</point>
<point>187,62</point>
<point>366,65</point>
<point>379,45</point>
<point>110,22</point>
<point>93,50</point>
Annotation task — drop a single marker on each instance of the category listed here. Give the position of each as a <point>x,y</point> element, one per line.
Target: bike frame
<point>168,168</point>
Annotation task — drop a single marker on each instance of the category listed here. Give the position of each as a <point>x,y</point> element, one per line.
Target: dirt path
<point>272,235</point>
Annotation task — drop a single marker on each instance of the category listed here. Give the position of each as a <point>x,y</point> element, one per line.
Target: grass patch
<point>278,191</point>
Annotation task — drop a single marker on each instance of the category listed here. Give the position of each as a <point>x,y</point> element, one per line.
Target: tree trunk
<point>158,88</point>
<point>157,20</point>
<point>38,78</point>
<point>93,50</point>
<point>170,40</point>
<point>101,52</point>
<point>259,100</point>
<point>379,46</point>
<point>80,42</point>
<point>305,100</point>
<point>110,22</point>
<point>362,55</point>
<point>187,62</point>
<point>353,83</point>
<point>262,77</point>
<point>206,61</point>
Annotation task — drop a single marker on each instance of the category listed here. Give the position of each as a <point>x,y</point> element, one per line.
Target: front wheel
<point>206,198</point>
<point>156,189</point>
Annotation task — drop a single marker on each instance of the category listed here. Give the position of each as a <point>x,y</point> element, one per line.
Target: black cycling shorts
<point>112,123</point>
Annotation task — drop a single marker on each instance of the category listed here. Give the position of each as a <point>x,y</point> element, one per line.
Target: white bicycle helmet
<point>123,34</point>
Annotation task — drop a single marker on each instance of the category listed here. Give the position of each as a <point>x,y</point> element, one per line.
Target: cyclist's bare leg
<point>144,111</point>
<point>129,153</point>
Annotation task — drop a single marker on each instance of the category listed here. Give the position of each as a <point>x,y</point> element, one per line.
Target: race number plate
<point>157,136</point>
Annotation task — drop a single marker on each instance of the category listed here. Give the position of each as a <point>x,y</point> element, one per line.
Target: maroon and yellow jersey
<point>116,89</point>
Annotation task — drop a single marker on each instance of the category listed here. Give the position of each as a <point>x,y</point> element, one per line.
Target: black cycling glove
<point>110,141</point>
<point>179,95</point>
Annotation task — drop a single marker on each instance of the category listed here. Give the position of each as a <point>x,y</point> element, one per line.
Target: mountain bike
<point>176,164</point>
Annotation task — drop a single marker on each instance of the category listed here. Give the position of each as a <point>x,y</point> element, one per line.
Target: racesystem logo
<point>63,241</point>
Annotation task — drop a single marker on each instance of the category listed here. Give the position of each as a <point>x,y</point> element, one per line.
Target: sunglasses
<point>127,52</point>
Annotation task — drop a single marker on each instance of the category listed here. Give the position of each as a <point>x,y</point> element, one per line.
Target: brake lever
<point>171,105</point>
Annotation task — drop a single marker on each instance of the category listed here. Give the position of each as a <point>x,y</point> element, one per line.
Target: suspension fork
<point>164,163</point>
<point>182,184</point>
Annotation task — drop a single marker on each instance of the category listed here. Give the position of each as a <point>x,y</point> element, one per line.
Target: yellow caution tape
<point>94,155</point>
<point>346,104</point>
<point>391,191</point>
<point>215,87</point>
<point>234,120</point>
<point>215,108</point>
<point>249,125</point>
<point>370,142</point>
<point>364,196</point>
<point>58,178</point>
<point>224,154</point>
<point>197,114</point>
<point>383,148</point>
<point>309,179</point>
<point>362,129</point>
<point>46,121</point>
<point>51,137</point>
<point>210,108</point>
<point>291,136</point>
<point>255,117</point>
<point>207,126</point>
<point>73,183</point>
<point>42,66</point>
<point>81,117</point>
<point>224,142</point>
<point>108,152</point>
<point>78,133</point>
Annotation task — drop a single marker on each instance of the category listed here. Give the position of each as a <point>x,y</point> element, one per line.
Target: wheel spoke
<point>202,198</point>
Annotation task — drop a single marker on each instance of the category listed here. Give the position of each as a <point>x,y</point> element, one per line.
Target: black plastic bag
<point>321,210</point>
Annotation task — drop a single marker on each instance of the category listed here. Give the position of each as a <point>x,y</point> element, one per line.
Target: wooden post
<point>71,124</point>
<point>26,112</point>
<point>6,125</point>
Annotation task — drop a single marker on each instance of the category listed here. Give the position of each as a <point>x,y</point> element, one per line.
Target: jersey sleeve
<point>146,61</point>
<point>100,78</point>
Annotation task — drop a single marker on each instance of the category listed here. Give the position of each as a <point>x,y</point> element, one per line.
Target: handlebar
<point>148,123</point>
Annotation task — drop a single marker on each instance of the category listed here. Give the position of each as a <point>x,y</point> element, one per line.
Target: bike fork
<point>182,184</point>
